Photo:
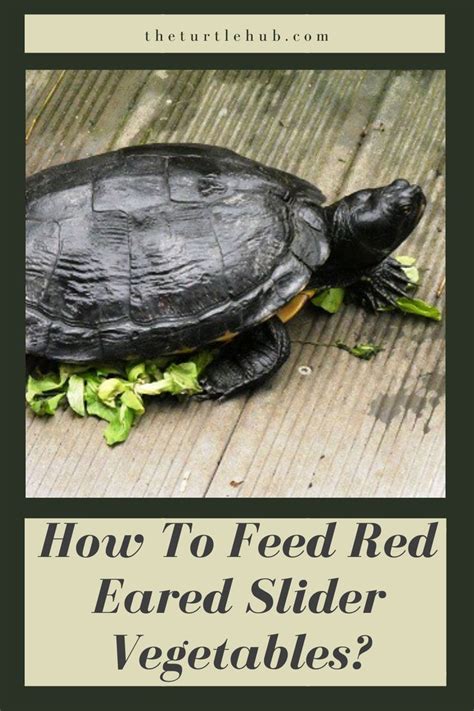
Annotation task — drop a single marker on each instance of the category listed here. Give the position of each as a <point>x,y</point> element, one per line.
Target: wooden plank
<point>350,428</point>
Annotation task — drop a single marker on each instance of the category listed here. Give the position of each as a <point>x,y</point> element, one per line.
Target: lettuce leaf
<point>137,372</point>
<point>405,261</point>
<point>330,300</point>
<point>181,378</point>
<point>411,271</point>
<point>133,401</point>
<point>114,391</point>
<point>94,404</point>
<point>110,388</point>
<point>42,384</point>
<point>120,425</point>
<point>75,394</point>
<point>418,308</point>
<point>46,405</point>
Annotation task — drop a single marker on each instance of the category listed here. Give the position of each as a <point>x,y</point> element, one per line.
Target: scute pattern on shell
<point>153,249</point>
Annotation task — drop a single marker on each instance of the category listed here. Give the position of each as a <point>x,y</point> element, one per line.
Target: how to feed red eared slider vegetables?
<point>166,248</point>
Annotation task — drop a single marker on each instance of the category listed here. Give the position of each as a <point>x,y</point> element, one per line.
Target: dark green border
<point>457,696</point>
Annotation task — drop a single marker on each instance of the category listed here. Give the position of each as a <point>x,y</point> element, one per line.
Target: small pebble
<point>305,370</point>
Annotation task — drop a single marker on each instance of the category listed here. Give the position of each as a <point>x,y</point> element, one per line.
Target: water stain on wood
<point>421,400</point>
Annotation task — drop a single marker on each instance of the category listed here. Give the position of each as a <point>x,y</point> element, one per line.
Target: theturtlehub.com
<point>227,35</point>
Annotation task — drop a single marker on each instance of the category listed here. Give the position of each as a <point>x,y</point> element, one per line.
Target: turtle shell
<point>160,248</point>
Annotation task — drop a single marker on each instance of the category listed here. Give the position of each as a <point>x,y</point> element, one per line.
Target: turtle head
<point>369,224</point>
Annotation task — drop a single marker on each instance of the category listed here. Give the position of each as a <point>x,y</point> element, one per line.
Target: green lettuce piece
<point>418,308</point>
<point>110,388</point>
<point>178,379</point>
<point>113,391</point>
<point>153,371</point>
<point>46,405</point>
<point>412,274</point>
<point>120,425</point>
<point>329,299</point>
<point>405,261</point>
<point>137,372</point>
<point>133,401</point>
<point>95,406</point>
<point>202,360</point>
<point>92,380</point>
<point>411,271</point>
<point>38,386</point>
<point>75,394</point>
<point>68,369</point>
<point>183,377</point>
<point>365,351</point>
<point>40,394</point>
<point>158,387</point>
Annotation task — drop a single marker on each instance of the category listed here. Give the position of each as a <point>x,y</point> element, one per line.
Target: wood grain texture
<point>348,429</point>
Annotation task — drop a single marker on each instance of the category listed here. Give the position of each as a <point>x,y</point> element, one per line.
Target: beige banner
<point>310,601</point>
<point>234,33</point>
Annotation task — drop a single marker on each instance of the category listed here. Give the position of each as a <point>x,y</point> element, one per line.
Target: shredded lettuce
<point>114,392</point>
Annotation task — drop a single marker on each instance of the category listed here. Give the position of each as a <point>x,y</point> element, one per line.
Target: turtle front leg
<point>382,286</point>
<point>246,361</point>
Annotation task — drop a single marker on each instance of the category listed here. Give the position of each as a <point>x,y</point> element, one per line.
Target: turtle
<point>162,249</point>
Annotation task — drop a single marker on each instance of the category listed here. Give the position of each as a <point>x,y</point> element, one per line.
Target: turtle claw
<point>368,300</point>
<point>208,392</point>
<point>381,288</point>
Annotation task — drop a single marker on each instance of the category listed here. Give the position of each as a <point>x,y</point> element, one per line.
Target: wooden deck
<point>348,429</point>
